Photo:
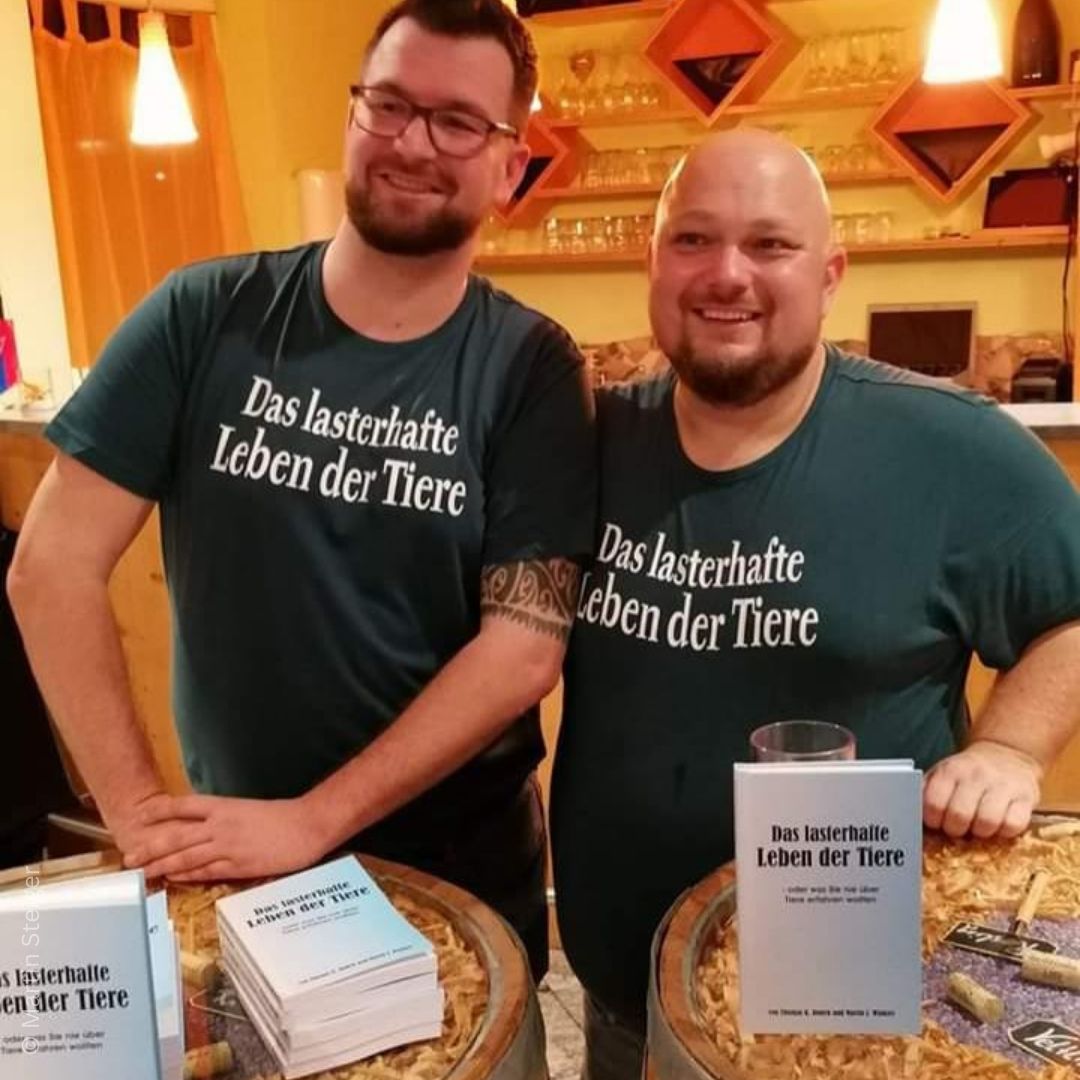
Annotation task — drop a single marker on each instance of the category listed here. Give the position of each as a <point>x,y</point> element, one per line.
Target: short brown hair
<point>474,19</point>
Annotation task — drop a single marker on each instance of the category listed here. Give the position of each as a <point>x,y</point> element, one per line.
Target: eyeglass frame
<point>426,112</point>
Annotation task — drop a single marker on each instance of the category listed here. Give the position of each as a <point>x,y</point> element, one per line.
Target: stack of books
<point>327,969</point>
<point>168,986</point>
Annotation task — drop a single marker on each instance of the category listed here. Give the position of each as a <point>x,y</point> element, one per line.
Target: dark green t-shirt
<point>846,576</point>
<point>327,504</point>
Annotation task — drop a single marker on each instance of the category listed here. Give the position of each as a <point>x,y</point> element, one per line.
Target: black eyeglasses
<point>453,132</point>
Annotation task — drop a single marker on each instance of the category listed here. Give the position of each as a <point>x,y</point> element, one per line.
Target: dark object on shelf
<point>717,76</point>
<point>1065,383</point>
<point>1037,380</point>
<point>543,7</point>
<point>950,152</point>
<point>533,171</point>
<point>932,339</point>
<point>1022,197</point>
<point>1036,45</point>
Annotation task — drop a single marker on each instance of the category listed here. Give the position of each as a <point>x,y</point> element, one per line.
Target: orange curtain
<point>126,215</point>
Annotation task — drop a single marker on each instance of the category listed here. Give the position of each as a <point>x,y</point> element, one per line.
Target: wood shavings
<point>961,880</point>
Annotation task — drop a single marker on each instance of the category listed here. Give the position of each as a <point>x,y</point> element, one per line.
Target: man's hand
<point>209,838</point>
<point>987,789</point>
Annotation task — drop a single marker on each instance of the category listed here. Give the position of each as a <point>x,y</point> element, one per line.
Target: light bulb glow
<point>964,43</point>
<point>161,116</point>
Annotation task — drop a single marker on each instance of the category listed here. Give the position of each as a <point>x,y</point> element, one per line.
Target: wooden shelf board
<point>882,176</point>
<point>810,103</point>
<point>582,194</point>
<point>632,191</point>
<point>1051,237</point>
<point>655,116</point>
<point>602,13</point>
<point>1030,93</point>
<point>1054,236</point>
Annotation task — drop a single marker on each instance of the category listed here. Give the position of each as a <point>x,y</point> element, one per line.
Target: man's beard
<point>446,230</point>
<point>744,382</point>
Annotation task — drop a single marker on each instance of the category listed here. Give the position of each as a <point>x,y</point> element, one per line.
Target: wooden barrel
<point>692,1034</point>
<point>679,1047</point>
<point>492,1028</point>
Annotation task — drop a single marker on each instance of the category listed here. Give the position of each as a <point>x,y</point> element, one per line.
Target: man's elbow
<point>539,673</point>
<point>28,580</point>
<point>19,581</point>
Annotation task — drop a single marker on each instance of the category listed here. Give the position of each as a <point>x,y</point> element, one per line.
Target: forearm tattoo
<point>541,595</point>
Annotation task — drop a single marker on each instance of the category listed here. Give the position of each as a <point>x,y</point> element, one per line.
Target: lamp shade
<point>964,43</point>
<point>161,114</point>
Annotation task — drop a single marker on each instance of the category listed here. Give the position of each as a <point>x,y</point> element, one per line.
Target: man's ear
<point>835,269</point>
<point>513,172</point>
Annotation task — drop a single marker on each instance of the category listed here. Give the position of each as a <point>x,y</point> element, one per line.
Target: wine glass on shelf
<point>858,63</point>
<point>886,69</point>
<point>567,91</point>
<point>817,66</point>
<point>582,63</point>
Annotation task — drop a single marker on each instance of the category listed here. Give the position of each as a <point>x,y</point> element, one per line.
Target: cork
<point>199,969</point>
<point>1050,969</point>
<point>206,1061</point>
<point>1030,904</point>
<point>974,998</point>
<point>1058,830</point>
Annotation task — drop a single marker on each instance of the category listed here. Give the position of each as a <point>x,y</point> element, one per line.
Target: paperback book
<point>828,882</point>
<point>77,997</point>
<point>327,969</point>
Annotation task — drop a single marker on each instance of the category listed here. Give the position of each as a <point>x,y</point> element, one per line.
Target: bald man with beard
<point>787,531</point>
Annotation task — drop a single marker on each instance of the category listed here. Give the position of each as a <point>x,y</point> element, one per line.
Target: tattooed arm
<point>539,595</point>
<point>527,609</point>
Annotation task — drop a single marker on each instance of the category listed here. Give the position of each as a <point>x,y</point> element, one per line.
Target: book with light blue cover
<point>168,986</point>
<point>76,996</point>
<point>828,893</point>
<point>325,933</point>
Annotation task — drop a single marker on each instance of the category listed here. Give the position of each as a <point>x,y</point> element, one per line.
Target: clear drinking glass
<point>802,740</point>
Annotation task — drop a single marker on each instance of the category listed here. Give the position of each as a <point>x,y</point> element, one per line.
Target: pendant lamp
<point>162,116</point>
<point>964,43</point>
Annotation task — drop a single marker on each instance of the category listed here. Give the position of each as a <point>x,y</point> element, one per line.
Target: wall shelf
<point>632,191</point>
<point>583,194</point>
<point>679,114</point>
<point>949,136</point>
<point>849,99</point>
<point>718,53</point>
<point>1057,92</point>
<point>643,9</point>
<point>1050,238</point>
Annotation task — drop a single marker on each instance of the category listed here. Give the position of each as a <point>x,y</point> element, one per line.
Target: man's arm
<point>527,610</point>
<point>77,527</point>
<point>991,787</point>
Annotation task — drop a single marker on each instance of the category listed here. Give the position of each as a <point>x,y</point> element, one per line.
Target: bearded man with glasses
<point>376,481</point>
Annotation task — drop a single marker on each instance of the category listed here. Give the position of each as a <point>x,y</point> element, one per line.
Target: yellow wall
<point>1016,293</point>
<point>29,264</point>
<point>288,65</point>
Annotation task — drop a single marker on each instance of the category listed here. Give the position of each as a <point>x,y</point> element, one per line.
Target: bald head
<point>753,160</point>
<point>742,269</point>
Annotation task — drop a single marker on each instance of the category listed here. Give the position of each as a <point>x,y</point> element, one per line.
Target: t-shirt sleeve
<point>1012,557</point>
<point>122,421</point>
<point>541,467</point>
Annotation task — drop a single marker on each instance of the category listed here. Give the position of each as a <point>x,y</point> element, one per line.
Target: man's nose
<point>415,140</point>
<point>729,270</point>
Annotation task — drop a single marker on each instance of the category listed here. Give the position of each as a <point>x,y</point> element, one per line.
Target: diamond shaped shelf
<point>718,53</point>
<point>551,163</point>
<point>948,137</point>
